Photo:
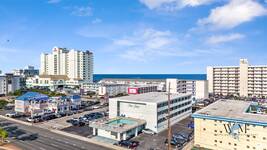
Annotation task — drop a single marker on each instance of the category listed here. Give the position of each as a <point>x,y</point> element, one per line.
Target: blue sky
<point>136,36</point>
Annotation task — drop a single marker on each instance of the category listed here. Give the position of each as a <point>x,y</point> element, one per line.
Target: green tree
<point>3,134</point>
<point>3,103</point>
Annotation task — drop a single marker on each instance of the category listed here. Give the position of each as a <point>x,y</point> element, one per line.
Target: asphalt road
<point>49,141</point>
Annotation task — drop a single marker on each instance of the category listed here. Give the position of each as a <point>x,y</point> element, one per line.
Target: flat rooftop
<point>151,97</point>
<point>133,79</point>
<point>231,110</point>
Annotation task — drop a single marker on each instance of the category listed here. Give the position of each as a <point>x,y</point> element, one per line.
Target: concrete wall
<point>201,89</point>
<point>212,134</point>
<point>172,83</point>
<point>210,79</point>
<point>243,78</point>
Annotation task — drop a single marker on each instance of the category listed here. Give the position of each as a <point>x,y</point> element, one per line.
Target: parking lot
<point>157,142</point>
<point>60,123</point>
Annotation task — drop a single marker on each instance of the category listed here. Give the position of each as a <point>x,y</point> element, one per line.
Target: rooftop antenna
<point>169,121</point>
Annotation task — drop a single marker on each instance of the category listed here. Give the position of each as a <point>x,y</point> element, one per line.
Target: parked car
<point>34,119</point>
<point>178,143</point>
<point>69,113</point>
<point>96,107</point>
<point>129,144</point>
<point>49,116</point>
<point>13,115</point>
<point>148,131</point>
<point>186,135</point>
<point>10,128</point>
<point>88,109</point>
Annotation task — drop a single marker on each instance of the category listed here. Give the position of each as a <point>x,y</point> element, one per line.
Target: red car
<point>129,144</point>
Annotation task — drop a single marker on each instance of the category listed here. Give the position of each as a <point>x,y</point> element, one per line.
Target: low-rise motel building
<point>37,104</point>
<point>118,128</point>
<point>231,125</point>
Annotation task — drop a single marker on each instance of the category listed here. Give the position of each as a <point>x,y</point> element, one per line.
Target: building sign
<point>134,106</point>
<point>235,129</point>
<point>132,90</point>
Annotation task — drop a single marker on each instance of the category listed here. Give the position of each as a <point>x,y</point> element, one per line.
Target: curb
<point>88,140</point>
<point>15,120</point>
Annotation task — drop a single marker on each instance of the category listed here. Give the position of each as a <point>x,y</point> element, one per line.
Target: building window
<point>220,141</point>
<point>229,143</point>
<point>215,130</point>
<point>235,144</point>
<point>204,129</point>
<point>215,141</point>
<point>248,136</point>
<point>247,146</point>
<point>254,137</point>
<point>264,138</point>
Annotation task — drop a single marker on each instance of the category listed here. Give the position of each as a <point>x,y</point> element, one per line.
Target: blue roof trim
<point>229,120</point>
<point>76,97</point>
<point>32,96</point>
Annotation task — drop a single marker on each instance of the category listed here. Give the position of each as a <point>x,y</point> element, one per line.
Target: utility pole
<point>169,121</point>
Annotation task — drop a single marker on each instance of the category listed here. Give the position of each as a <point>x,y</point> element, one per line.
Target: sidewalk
<point>9,147</point>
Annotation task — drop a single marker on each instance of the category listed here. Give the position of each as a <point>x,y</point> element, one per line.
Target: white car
<point>12,115</point>
<point>96,107</point>
<point>148,131</point>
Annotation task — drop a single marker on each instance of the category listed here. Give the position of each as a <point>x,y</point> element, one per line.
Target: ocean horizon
<point>98,77</point>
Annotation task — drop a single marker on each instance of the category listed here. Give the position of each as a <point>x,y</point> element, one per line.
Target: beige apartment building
<point>230,125</point>
<point>73,63</point>
<point>244,80</point>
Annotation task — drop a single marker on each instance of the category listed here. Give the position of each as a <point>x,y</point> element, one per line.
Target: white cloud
<point>81,11</point>
<point>53,1</point>
<point>96,20</point>
<point>233,14</point>
<point>217,39</point>
<point>150,44</point>
<point>172,5</point>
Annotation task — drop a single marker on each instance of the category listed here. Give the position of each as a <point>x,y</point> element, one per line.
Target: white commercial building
<point>90,87</point>
<point>198,88</point>
<point>9,83</point>
<point>28,71</point>
<point>73,63</point>
<point>52,82</point>
<point>152,107</point>
<point>244,80</point>
<point>137,82</point>
<point>112,89</point>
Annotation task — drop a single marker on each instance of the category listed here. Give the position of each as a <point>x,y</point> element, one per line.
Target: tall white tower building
<point>73,63</point>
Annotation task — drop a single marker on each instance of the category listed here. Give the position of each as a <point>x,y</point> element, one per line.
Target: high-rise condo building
<point>244,80</point>
<point>73,63</point>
